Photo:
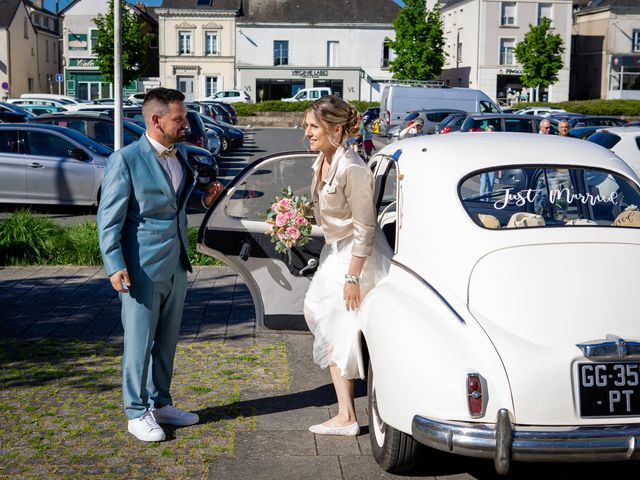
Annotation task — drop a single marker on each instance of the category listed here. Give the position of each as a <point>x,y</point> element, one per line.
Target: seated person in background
<point>412,130</point>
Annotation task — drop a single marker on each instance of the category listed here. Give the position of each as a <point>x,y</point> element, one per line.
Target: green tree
<point>134,44</point>
<point>419,42</point>
<point>540,54</point>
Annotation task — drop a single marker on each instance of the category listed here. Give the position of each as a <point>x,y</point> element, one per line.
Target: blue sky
<point>51,4</point>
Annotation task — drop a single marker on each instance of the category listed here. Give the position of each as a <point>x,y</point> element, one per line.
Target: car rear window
<point>550,197</point>
<point>518,125</point>
<point>604,139</point>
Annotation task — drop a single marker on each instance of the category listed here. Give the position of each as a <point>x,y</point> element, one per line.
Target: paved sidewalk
<point>44,303</point>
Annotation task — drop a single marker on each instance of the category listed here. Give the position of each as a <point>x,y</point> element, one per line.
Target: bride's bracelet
<point>353,279</point>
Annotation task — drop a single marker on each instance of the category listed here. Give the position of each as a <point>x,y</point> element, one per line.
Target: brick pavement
<point>70,303</point>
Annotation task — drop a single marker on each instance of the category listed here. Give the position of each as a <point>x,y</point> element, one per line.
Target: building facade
<point>28,48</point>
<point>480,38</point>
<point>606,53</point>
<point>284,46</point>
<point>197,45</point>
<point>82,76</point>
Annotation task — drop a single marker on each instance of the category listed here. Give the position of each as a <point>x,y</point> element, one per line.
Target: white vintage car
<point>507,327</point>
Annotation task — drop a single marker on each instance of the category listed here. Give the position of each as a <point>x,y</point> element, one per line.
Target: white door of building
<point>185,85</point>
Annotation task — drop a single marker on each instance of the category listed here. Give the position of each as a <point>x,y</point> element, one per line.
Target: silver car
<point>48,164</point>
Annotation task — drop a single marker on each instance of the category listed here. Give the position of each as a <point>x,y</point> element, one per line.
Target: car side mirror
<point>78,154</point>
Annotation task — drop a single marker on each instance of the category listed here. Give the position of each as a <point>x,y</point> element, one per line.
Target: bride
<point>351,262</point>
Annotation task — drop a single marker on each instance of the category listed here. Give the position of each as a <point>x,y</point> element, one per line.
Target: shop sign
<point>82,62</point>
<point>309,73</point>
<point>510,71</point>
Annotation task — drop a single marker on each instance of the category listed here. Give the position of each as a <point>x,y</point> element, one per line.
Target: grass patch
<point>27,239</point>
<point>67,395</point>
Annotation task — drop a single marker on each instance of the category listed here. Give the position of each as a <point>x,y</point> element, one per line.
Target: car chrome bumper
<point>504,443</point>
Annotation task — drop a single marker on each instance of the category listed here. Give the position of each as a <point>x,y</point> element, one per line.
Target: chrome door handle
<point>36,165</point>
<point>311,264</point>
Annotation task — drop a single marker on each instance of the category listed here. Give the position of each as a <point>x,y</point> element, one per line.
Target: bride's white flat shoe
<point>349,430</point>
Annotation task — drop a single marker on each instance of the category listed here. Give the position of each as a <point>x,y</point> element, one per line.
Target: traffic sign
<point>5,85</point>
<point>59,77</point>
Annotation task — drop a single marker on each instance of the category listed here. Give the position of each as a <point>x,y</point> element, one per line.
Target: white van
<point>309,94</point>
<point>64,99</point>
<point>399,100</point>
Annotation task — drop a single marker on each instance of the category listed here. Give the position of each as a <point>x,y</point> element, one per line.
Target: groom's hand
<point>120,281</point>
<point>214,189</point>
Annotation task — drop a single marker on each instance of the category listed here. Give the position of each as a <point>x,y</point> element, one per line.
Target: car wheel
<point>224,144</point>
<point>395,451</point>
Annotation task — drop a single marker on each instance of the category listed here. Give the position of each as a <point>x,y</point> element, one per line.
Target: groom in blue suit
<point>142,228</point>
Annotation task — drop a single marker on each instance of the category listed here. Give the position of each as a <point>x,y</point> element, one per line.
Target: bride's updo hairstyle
<point>331,111</point>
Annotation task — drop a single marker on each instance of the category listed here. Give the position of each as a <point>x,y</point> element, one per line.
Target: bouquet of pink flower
<point>288,220</point>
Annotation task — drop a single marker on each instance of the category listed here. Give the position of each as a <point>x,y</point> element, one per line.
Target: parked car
<point>136,98</point>
<point>230,96</point>
<point>505,122</point>
<point>65,99</point>
<point>47,164</point>
<point>99,126</point>
<point>211,109</point>
<point>596,121</point>
<point>430,118</point>
<point>196,134</point>
<point>4,107</point>
<point>452,123</point>
<point>539,111</point>
<point>493,334</point>
<point>304,94</point>
<point>233,115</point>
<point>399,100</point>
<point>230,136</point>
<point>582,132</point>
<point>623,141</point>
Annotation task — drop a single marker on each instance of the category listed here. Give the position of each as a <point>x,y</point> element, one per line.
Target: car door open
<point>234,230</point>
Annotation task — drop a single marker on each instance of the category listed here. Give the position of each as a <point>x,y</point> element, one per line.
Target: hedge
<point>246,109</point>
<point>622,108</point>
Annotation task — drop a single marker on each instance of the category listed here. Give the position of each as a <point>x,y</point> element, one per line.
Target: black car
<point>232,112</point>
<point>230,136</point>
<point>211,109</point>
<point>99,126</point>
<point>196,134</point>
<point>505,122</point>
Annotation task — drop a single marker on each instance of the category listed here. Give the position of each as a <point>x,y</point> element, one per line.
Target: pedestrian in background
<point>142,229</point>
<point>545,127</point>
<point>412,130</point>
<point>563,128</point>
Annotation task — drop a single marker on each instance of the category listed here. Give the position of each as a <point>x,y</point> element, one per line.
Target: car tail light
<point>388,117</point>
<point>475,129</point>
<point>445,130</point>
<point>475,395</point>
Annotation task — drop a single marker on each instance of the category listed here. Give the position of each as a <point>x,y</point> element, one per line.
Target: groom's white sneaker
<point>174,416</point>
<point>146,428</point>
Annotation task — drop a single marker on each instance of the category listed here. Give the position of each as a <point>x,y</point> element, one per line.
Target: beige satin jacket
<point>343,201</point>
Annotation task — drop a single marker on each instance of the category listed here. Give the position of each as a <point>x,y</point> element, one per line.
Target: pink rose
<point>281,219</point>
<point>284,204</point>
<point>293,233</point>
<point>301,221</point>
<point>291,214</point>
<point>274,207</point>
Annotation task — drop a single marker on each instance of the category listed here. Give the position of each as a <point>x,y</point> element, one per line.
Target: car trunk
<point>537,302</point>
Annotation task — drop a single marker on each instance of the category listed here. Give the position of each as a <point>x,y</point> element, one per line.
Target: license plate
<point>609,389</point>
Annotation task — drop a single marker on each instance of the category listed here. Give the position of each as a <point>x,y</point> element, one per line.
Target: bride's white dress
<point>334,328</point>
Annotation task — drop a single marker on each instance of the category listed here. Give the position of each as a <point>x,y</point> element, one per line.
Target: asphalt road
<point>259,142</point>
